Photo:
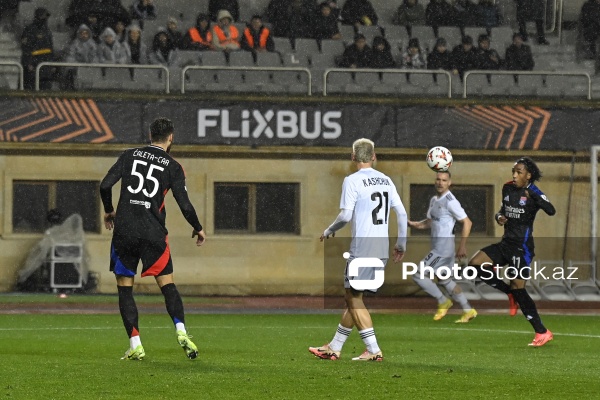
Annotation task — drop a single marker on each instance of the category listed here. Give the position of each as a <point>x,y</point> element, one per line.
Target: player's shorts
<point>435,261</point>
<point>367,274</point>
<point>126,253</point>
<point>516,259</point>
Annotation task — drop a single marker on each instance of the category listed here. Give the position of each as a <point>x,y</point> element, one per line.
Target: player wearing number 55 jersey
<point>147,174</point>
<point>367,198</point>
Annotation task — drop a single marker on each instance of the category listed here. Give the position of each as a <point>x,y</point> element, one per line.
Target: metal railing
<point>19,67</point>
<point>560,20</point>
<point>98,65</point>
<point>274,69</point>
<point>518,73</point>
<point>393,71</point>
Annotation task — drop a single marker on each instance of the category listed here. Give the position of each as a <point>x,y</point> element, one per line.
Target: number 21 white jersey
<point>371,195</point>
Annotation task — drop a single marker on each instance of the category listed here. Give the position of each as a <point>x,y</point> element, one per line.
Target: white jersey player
<point>368,196</point>
<point>443,213</point>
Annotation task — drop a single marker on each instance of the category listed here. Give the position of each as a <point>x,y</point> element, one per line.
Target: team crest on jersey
<point>506,198</point>
<point>522,200</point>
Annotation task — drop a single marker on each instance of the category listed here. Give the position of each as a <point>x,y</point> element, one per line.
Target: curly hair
<point>531,167</point>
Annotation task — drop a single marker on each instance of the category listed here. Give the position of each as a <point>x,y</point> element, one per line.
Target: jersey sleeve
<point>349,196</point>
<point>541,200</point>
<point>429,208</point>
<point>456,210</point>
<point>181,197</point>
<point>112,177</point>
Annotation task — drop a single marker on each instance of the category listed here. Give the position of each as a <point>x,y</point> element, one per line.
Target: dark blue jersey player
<point>521,200</point>
<point>147,174</point>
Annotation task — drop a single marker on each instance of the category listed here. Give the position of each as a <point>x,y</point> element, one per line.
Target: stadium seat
<point>115,78</point>
<point>87,76</point>
<point>527,85</point>
<point>152,26</point>
<point>150,79</point>
<point>396,32</point>
<point>197,80</point>
<point>585,287</point>
<point>337,81</point>
<point>282,45</point>
<point>322,61</point>
<point>370,33</point>
<point>363,82</point>
<point>474,32</point>
<point>452,36</point>
<point>476,84</point>
<point>347,32</point>
<point>334,47</point>
<point>295,60</point>
<point>423,33</point>
<point>241,59</point>
<point>502,34</point>
<point>213,58</point>
<point>305,47</point>
<point>268,59</point>
<point>188,57</point>
<point>552,289</point>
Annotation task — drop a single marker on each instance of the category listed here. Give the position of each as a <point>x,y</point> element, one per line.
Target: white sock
<point>460,298</point>
<point>180,326</point>
<point>431,289</point>
<point>369,339</point>
<point>340,337</point>
<point>135,341</point>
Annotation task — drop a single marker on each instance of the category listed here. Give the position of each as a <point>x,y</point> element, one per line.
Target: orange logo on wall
<point>54,120</point>
<point>507,127</point>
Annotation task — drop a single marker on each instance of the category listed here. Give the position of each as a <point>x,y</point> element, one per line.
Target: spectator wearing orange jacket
<point>257,37</point>
<point>199,37</point>
<point>226,37</point>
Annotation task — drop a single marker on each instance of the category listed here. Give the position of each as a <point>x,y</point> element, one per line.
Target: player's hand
<point>326,235</point>
<point>109,220</point>
<point>501,220</point>
<point>412,224</point>
<point>461,253</point>
<point>201,237</point>
<point>398,254</point>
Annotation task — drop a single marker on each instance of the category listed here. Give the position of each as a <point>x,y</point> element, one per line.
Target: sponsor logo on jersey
<point>522,201</point>
<point>281,124</point>
<point>140,203</point>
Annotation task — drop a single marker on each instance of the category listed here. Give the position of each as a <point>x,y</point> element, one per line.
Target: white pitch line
<point>521,332</point>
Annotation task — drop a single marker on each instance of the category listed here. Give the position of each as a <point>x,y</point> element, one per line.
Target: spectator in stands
<point>121,31</point>
<point>518,56</point>
<point>381,56</point>
<point>106,12</point>
<point>324,24</point>
<point>257,37</point>
<point>214,6</point>
<point>589,20</point>
<point>464,57</point>
<point>163,51</point>
<point>359,12</point>
<point>335,10</point>
<point>408,14</point>
<point>143,10</point>
<point>531,10</point>
<point>199,37</point>
<point>489,15</point>
<point>95,26</point>
<point>414,56</point>
<point>487,58</point>
<point>174,34</point>
<point>439,13</point>
<point>82,49</point>
<point>137,51</point>
<point>111,51</point>
<point>439,57</point>
<point>37,47</point>
<point>465,14</point>
<point>358,54</point>
<point>8,11</point>
<point>225,35</point>
<point>291,18</point>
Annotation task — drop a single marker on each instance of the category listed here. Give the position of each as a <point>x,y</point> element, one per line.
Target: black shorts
<point>517,259</point>
<point>126,253</point>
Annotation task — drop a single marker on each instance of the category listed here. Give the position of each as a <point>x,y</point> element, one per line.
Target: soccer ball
<point>439,159</point>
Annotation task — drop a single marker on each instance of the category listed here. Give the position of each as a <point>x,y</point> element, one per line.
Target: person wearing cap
<point>226,37</point>
<point>174,34</point>
<point>37,47</point>
<point>110,50</point>
<point>358,54</point>
<point>199,37</point>
<point>257,37</point>
<point>214,6</point>
<point>464,57</point>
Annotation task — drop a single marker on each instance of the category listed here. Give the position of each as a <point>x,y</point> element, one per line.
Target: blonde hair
<point>364,150</point>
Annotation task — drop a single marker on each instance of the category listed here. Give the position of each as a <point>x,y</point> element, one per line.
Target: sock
<point>128,309</point>
<point>431,289</point>
<point>496,283</point>
<point>340,337</point>
<point>459,297</point>
<point>529,309</point>
<point>174,305</point>
<point>135,341</point>
<point>369,339</point>
<point>180,327</point>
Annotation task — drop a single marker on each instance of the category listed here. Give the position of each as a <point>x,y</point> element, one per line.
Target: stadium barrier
<point>98,65</point>
<point>387,71</point>
<point>265,69</point>
<point>18,66</point>
<point>543,74</point>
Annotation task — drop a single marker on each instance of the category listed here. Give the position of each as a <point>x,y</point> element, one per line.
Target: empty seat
<point>115,78</point>
<point>363,82</point>
<point>396,32</point>
<point>476,83</point>
<point>213,58</point>
<point>268,60</point>
<point>241,59</point>
<point>347,32</point>
<point>87,76</point>
<point>337,81</point>
<point>200,79</point>
<point>474,32</point>
<point>306,46</point>
<point>502,34</point>
<point>323,61</point>
<point>423,33</point>
<point>295,60</point>
<point>370,32</point>
<point>188,57</point>
<point>527,85</point>
<point>149,79</point>
<point>282,44</point>
<point>452,35</point>
<point>335,47</point>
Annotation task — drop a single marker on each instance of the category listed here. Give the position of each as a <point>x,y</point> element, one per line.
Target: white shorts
<point>367,274</point>
<point>436,261</point>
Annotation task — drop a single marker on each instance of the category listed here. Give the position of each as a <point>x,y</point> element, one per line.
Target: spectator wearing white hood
<point>83,49</point>
<point>110,50</point>
<point>226,36</point>
<point>137,51</point>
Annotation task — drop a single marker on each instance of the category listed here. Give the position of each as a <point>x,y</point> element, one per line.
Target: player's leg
<point>458,296</point>
<point>542,335</point>
<point>362,319</point>
<point>124,258</point>
<point>429,286</point>
<point>485,260</point>
<point>333,349</point>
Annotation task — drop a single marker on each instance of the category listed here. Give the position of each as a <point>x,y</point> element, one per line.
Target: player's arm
<point>188,210</point>
<point>113,176</point>
<point>461,252</point>
<point>500,217</point>
<point>342,219</point>
<point>424,224</point>
<point>402,219</point>
<point>540,200</point>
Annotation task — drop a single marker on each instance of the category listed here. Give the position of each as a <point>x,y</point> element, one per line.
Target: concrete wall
<point>266,264</point>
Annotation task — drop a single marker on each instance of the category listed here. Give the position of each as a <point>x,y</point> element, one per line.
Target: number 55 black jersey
<point>147,174</point>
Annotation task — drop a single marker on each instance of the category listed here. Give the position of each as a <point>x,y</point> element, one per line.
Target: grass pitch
<point>265,357</point>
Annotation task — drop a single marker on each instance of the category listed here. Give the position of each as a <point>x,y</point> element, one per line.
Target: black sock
<point>494,281</point>
<point>173,303</point>
<point>128,309</point>
<point>529,309</point>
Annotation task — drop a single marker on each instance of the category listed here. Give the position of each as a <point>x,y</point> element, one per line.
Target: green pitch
<point>266,357</point>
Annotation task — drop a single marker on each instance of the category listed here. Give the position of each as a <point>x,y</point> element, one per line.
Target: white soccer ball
<point>439,159</point>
